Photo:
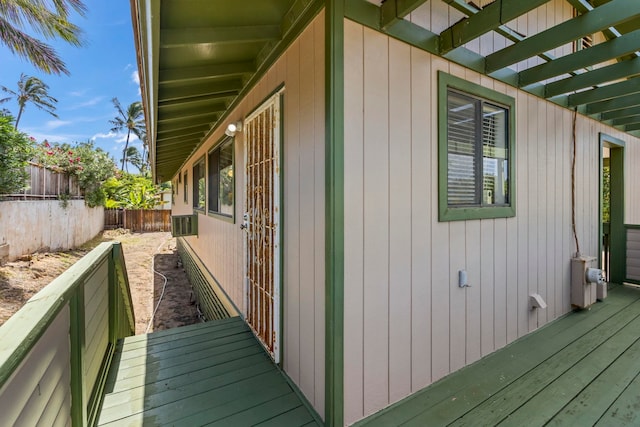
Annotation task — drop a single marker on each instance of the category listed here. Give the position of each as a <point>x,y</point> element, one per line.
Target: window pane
<point>462,164</point>
<point>198,185</point>
<point>495,181</point>
<point>226,179</point>
<point>213,180</point>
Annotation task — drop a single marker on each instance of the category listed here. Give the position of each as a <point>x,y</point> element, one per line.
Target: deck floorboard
<point>579,370</point>
<point>215,373</point>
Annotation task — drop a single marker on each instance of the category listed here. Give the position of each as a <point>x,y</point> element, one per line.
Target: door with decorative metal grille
<point>261,223</point>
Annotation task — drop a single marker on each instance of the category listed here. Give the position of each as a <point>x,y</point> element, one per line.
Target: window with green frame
<point>185,188</point>
<point>199,184</point>
<point>475,152</point>
<point>221,179</point>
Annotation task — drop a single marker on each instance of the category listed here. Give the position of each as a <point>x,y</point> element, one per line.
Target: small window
<point>221,179</point>
<point>199,184</point>
<point>185,188</point>
<point>475,151</point>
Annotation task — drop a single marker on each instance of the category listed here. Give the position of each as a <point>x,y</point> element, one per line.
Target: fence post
<point>77,338</point>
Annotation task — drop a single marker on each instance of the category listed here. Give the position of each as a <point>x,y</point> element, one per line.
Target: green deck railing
<point>56,350</point>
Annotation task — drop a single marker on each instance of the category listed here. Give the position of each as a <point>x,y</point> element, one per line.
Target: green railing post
<point>77,337</point>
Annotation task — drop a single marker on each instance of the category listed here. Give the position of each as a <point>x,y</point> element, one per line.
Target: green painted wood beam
<point>605,92</point>
<point>617,114</point>
<point>180,139</point>
<point>190,130</point>
<point>195,120</point>
<point>203,104</point>
<point>626,120</point>
<point>226,88</point>
<point>469,10</point>
<point>178,75</point>
<point>583,6</point>
<point>581,59</point>
<point>179,102</point>
<point>613,104</point>
<point>593,21</point>
<point>596,77</point>
<point>632,127</point>
<point>393,11</point>
<point>193,110</point>
<point>491,17</point>
<point>174,149</point>
<point>184,37</point>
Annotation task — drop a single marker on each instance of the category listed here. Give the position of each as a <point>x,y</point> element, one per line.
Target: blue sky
<point>104,68</point>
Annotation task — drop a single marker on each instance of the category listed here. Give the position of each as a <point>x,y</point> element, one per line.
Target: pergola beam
<point>613,104</point>
<point>626,121</point>
<point>490,18</point>
<point>605,92</point>
<point>178,75</point>
<point>393,11</point>
<point>593,21</point>
<point>617,114</point>
<point>595,77</point>
<point>185,37</point>
<point>226,88</point>
<point>583,58</point>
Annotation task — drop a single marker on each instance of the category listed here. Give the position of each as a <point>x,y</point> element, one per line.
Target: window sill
<point>470,213</point>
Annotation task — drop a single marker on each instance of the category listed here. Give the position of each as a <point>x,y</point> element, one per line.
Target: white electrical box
<point>585,277</point>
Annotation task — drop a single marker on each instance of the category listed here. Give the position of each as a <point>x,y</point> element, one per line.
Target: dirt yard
<point>22,279</point>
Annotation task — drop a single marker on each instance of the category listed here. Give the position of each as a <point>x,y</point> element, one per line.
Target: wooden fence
<point>137,220</point>
<point>45,183</point>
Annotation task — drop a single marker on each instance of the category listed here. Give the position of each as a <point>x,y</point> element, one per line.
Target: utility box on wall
<point>585,277</point>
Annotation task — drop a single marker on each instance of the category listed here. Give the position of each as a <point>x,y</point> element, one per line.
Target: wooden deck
<point>581,370</point>
<point>213,373</point>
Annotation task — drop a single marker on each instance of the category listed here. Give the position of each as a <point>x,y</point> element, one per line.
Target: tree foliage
<point>31,90</point>
<point>91,165</point>
<point>46,18</point>
<point>131,191</point>
<point>131,120</point>
<point>16,149</point>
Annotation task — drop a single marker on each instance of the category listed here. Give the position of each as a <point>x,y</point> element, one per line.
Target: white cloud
<point>89,103</point>
<point>78,93</point>
<point>135,77</point>
<point>55,124</point>
<point>118,138</point>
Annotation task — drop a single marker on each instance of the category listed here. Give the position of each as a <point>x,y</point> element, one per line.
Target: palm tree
<point>132,120</point>
<point>31,89</point>
<point>134,157</point>
<point>46,18</point>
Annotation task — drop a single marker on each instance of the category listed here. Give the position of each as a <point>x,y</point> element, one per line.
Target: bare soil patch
<point>22,279</point>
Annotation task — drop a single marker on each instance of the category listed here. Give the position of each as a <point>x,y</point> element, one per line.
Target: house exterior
<point>353,165</point>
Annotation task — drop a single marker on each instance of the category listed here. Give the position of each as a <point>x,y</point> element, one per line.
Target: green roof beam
<point>590,22</point>
<point>162,135</point>
<point>488,19</point>
<point>181,102</point>
<point>178,75</point>
<point>583,58</point>
<point>202,119</point>
<point>194,110</point>
<point>185,37</point>
<point>207,88</point>
<point>613,104</point>
<point>393,11</point>
<point>626,121</point>
<point>632,127</point>
<point>605,92</point>
<point>596,77</point>
<point>618,114</point>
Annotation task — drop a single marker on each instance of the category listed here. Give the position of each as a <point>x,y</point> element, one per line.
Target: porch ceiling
<point>198,58</point>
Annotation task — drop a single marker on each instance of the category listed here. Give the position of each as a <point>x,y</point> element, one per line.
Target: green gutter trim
<point>334,213</point>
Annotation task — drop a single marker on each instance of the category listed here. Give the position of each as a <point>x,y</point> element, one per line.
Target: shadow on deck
<point>214,373</point>
<point>581,370</point>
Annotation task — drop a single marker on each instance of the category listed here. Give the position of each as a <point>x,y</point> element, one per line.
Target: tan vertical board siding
<point>96,303</point>
<point>421,197</point>
<point>376,219</point>
<point>391,226</point>
<point>633,254</point>
<point>353,224</point>
<point>399,219</point>
<point>220,242</point>
<point>37,393</point>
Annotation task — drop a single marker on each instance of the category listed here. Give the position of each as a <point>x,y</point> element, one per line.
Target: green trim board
<point>334,211</point>
<point>450,213</point>
<point>618,235</point>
